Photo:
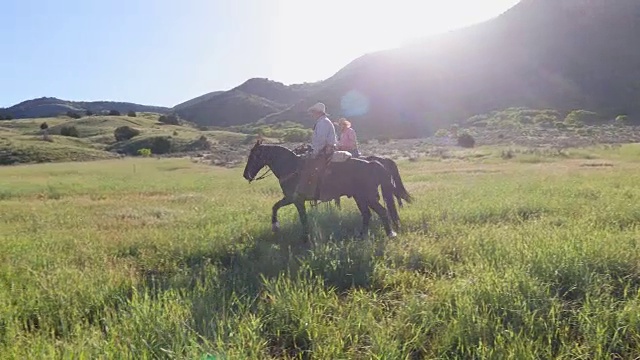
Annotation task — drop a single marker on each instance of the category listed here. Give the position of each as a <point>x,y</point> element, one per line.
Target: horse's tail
<point>400,191</point>
<point>386,183</point>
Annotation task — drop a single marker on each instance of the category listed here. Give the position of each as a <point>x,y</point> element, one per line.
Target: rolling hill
<point>51,107</point>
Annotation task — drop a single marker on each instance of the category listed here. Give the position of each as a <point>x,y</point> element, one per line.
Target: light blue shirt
<point>323,134</point>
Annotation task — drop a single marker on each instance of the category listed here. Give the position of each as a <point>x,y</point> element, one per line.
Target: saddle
<point>340,156</point>
<point>325,191</point>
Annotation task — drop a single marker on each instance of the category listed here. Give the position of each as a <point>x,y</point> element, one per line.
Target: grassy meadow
<point>534,256</point>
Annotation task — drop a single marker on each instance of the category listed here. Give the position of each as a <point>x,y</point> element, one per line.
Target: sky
<point>163,52</point>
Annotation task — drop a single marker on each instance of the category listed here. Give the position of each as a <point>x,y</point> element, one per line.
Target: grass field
<point>146,258</point>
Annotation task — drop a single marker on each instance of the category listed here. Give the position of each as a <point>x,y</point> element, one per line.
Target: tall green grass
<point>154,258</point>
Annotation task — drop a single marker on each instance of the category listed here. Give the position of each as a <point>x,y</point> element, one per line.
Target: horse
<point>399,191</point>
<point>354,177</point>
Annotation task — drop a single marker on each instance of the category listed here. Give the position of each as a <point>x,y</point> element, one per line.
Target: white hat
<point>319,107</point>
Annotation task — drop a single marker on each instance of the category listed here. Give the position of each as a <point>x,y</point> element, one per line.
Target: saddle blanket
<point>340,156</point>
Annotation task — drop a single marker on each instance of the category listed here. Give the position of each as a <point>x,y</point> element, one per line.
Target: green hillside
<point>92,137</point>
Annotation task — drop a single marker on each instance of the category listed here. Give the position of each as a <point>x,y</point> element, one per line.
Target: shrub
<point>297,135</point>
<point>441,133</point>
<point>161,145</point>
<point>202,143</point>
<point>89,113</point>
<point>73,115</point>
<point>622,120</point>
<point>171,119</point>
<point>44,126</point>
<point>144,152</point>
<point>70,131</point>
<point>466,140</point>
<point>114,113</point>
<point>580,117</point>
<point>131,114</point>
<point>125,133</point>
<point>383,140</point>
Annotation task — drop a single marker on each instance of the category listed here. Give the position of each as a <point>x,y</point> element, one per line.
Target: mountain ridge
<point>560,54</point>
<point>52,106</point>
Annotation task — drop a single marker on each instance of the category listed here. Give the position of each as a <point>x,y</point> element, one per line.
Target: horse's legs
<point>384,216</point>
<point>302,211</point>
<point>275,225</point>
<point>366,215</point>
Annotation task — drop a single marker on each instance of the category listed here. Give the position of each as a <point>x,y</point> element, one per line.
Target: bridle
<point>264,176</point>
<point>268,173</point>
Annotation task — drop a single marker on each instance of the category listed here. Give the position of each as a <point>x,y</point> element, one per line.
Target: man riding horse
<point>323,144</point>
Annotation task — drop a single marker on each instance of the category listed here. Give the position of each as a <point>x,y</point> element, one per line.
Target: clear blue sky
<point>161,52</point>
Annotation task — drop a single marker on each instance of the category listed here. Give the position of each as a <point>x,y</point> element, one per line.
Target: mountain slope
<point>561,54</point>
<point>50,107</point>
<point>229,108</point>
<point>196,100</point>
<point>246,103</point>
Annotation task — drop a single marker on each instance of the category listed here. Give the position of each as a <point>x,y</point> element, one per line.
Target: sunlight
<point>318,38</point>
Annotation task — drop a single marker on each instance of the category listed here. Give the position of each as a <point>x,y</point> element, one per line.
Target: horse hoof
<point>275,227</point>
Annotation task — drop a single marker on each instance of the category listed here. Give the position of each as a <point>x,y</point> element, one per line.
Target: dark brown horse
<point>399,191</point>
<point>356,178</point>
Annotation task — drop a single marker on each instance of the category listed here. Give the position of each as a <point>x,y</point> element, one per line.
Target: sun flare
<point>354,27</point>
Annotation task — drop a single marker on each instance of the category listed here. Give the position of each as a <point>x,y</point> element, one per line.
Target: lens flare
<point>354,103</point>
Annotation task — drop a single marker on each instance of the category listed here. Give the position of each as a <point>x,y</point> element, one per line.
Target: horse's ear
<point>259,141</point>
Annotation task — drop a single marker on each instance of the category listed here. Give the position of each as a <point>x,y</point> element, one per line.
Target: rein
<point>263,176</point>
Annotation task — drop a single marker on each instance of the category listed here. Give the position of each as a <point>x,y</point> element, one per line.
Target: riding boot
<point>321,167</point>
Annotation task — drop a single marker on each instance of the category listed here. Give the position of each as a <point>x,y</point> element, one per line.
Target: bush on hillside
<point>157,145</point>
<point>297,135</point>
<point>622,120</point>
<point>114,113</point>
<point>70,131</point>
<point>73,115</point>
<point>466,140</point>
<point>171,119</point>
<point>144,152</point>
<point>125,133</point>
<point>581,117</point>
<point>131,114</point>
<point>441,133</point>
<point>161,145</point>
<point>44,126</point>
<point>202,143</point>
<point>89,113</point>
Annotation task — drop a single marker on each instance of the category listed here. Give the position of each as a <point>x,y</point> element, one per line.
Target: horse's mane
<point>280,147</point>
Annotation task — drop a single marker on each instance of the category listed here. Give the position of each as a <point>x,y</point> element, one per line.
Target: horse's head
<point>257,160</point>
